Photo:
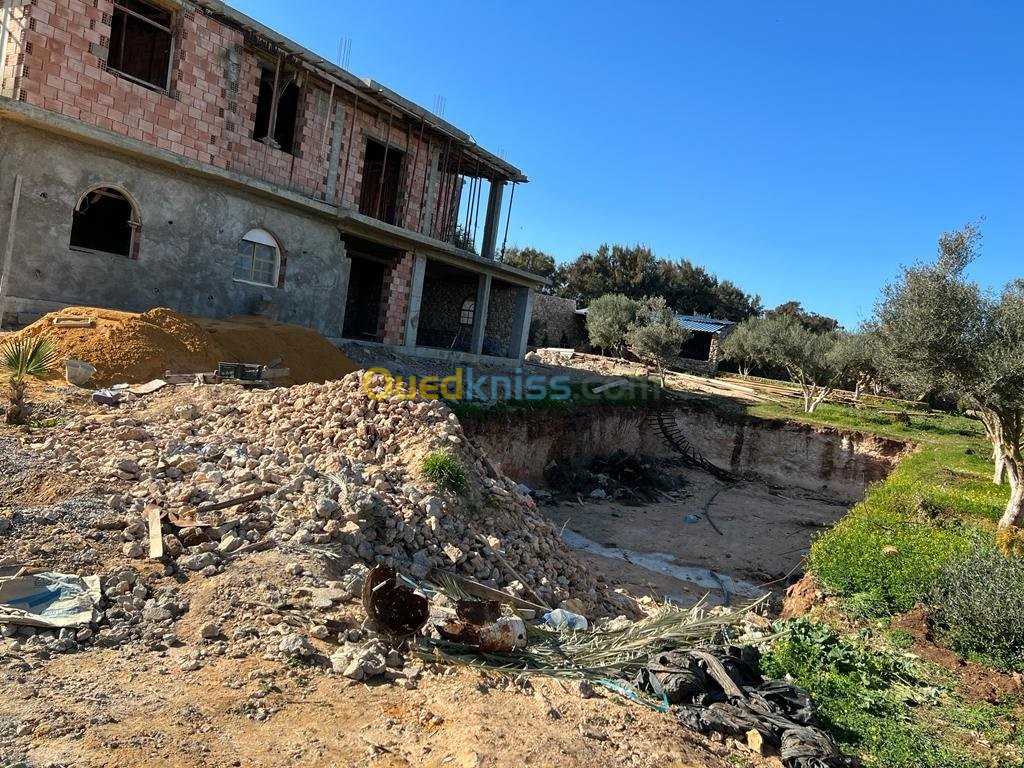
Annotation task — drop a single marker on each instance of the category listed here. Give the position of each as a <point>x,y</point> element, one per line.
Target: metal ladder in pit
<point>663,420</point>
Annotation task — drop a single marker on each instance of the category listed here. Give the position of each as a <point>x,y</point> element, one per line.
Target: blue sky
<point>803,150</point>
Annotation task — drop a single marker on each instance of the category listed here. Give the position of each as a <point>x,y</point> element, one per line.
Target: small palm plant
<point>19,359</point>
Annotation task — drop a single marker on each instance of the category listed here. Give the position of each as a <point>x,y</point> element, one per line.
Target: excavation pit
<point>730,539</point>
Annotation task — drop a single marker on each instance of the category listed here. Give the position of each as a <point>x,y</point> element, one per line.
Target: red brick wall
<point>404,136</point>
<point>206,117</point>
<point>395,298</point>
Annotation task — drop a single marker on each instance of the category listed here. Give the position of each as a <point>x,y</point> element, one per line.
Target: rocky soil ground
<point>245,644</point>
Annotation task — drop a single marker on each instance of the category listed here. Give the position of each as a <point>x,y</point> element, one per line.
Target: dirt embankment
<point>129,347</point>
<point>838,464</point>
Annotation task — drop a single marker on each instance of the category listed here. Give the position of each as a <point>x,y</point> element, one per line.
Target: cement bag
<point>49,600</point>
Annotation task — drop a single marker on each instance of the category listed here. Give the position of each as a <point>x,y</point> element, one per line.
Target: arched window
<point>105,221</point>
<point>259,259</point>
<point>468,312</point>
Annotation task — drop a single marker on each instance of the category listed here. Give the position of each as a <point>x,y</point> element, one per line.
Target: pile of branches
<point>629,479</point>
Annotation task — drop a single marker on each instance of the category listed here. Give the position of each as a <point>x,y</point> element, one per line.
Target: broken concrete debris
<point>317,471</point>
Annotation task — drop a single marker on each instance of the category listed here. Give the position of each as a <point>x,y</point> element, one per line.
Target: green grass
<point>888,708</point>
<point>580,394</point>
<point>446,472</point>
<point>922,427</point>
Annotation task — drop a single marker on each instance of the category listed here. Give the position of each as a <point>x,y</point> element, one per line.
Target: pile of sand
<point>247,339</point>
<point>134,348</point>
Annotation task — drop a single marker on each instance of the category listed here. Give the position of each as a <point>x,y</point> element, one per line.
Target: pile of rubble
<point>316,472</point>
<point>583,361</point>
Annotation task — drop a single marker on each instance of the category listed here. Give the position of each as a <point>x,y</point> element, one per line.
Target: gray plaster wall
<point>190,232</point>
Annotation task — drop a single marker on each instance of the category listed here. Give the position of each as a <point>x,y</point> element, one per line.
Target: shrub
<point>20,359</point>
<point>446,472</point>
<point>978,605</point>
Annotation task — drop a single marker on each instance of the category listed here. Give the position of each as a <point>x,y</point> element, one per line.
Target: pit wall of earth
<point>835,463</point>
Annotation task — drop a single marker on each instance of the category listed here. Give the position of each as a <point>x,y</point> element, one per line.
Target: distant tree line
<point>636,273</point>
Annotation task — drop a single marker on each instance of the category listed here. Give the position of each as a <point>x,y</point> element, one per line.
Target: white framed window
<point>258,260</point>
<point>468,312</point>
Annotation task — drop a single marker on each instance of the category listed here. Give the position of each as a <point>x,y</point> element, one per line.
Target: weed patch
<point>865,695</point>
<point>446,472</point>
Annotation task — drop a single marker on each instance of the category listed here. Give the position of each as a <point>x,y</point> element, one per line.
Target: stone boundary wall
<point>556,324</point>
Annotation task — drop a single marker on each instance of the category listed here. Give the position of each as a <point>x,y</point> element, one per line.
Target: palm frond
<point>25,356</point>
<point>451,588</point>
<point>595,655</point>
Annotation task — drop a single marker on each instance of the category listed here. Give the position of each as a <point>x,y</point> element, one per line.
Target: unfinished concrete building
<point>180,154</point>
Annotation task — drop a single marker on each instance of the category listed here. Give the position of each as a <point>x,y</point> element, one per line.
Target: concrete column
<point>335,159</point>
<point>483,299</point>
<point>344,274</point>
<point>433,179</point>
<point>521,325</point>
<point>493,220</point>
<point>412,318</point>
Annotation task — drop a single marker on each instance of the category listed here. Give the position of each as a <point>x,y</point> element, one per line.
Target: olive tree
<point>817,362</point>
<point>860,354</point>
<point>940,329</point>
<point>742,346</point>
<point>656,335</point>
<point>609,318</point>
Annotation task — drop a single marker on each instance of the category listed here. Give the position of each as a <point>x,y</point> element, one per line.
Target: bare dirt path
<point>100,710</point>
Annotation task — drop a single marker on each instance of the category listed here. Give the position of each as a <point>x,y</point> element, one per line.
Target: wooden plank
<point>235,502</point>
<point>156,537</point>
<point>148,388</point>
<point>189,378</point>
